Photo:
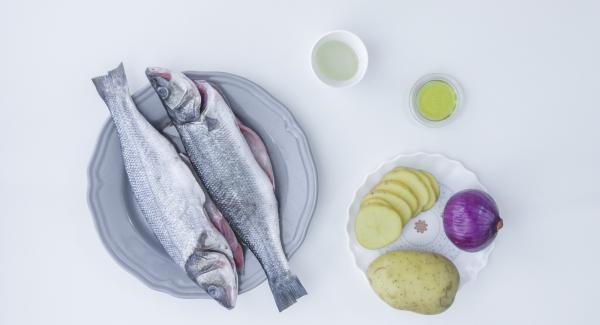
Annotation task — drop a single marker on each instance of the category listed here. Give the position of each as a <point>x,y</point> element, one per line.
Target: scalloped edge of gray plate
<point>121,226</point>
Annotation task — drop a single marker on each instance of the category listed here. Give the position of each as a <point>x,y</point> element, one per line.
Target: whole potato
<point>422,282</point>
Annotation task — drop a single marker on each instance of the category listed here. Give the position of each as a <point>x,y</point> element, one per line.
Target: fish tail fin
<point>286,290</point>
<point>115,81</point>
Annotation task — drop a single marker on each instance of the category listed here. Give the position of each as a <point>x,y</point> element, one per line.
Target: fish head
<point>178,93</point>
<point>215,273</point>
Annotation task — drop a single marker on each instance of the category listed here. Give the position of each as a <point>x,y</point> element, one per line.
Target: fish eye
<point>212,291</point>
<point>162,92</point>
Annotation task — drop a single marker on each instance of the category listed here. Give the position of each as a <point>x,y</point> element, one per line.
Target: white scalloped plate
<point>424,232</point>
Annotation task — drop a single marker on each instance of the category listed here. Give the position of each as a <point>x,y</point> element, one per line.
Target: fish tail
<point>114,82</point>
<point>286,290</point>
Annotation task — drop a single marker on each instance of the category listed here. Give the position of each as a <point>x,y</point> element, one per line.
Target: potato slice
<point>395,202</point>
<point>402,191</point>
<point>408,178</point>
<point>369,200</point>
<point>430,190</point>
<point>434,183</point>
<point>377,226</point>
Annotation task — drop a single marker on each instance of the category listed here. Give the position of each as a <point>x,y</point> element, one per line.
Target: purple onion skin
<point>471,220</point>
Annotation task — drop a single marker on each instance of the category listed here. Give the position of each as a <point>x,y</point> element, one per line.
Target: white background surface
<point>529,129</point>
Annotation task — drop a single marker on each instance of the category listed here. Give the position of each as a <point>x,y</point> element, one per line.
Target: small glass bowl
<point>413,99</point>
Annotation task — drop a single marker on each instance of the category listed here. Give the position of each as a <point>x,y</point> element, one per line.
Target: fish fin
<point>170,130</point>
<point>188,162</point>
<point>258,148</point>
<point>115,80</point>
<point>286,290</point>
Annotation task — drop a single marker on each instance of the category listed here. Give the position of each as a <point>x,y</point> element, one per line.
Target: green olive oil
<point>436,100</point>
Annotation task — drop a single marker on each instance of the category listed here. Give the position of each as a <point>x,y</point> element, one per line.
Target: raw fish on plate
<point>235,179</point>
<point>168,195</point>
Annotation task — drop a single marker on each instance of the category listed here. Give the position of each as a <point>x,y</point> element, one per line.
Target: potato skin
<point>422,282</point>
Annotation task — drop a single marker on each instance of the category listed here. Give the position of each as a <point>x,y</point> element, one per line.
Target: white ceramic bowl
<point>356,44</point>
<point>452,177</point>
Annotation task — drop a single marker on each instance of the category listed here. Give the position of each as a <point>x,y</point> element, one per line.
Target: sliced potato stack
<point>402,194</point>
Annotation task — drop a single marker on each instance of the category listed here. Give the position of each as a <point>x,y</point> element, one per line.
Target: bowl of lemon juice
<point>339,59</point>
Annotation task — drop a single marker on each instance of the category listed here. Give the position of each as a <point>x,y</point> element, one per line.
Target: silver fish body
<point>239,185</point>
<point>168,195</point>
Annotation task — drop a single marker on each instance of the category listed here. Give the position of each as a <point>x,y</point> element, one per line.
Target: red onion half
<point>471,220</point>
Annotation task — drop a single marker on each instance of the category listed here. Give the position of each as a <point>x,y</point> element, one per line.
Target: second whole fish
<point>238,179</point>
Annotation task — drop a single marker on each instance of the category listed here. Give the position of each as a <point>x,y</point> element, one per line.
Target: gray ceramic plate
<point>123,229</point>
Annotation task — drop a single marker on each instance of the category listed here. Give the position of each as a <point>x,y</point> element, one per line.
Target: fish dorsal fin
<point>170,130</point>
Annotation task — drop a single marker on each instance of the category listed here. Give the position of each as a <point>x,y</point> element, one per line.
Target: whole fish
<point>237,179</point>
<point>168,195</point>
